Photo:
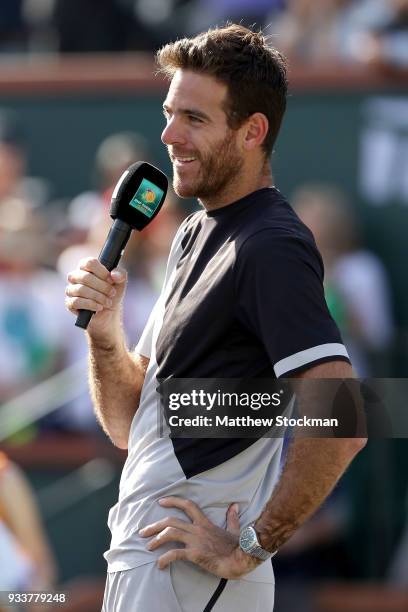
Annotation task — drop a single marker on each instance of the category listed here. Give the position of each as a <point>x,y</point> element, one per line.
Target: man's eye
<point>195,119</point>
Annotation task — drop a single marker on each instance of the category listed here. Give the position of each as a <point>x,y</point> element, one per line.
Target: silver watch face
<point>247,539</point>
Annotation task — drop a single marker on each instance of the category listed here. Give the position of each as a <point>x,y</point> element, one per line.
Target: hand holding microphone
<point>93,287</point>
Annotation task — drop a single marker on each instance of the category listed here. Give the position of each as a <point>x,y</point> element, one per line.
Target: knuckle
<point>90,264</point>
<point>84,292</point>
<point>84,262</point>
<point>191,553</point>
<point>73,290</point>
<point>71,306</point>
<point>87,278</point>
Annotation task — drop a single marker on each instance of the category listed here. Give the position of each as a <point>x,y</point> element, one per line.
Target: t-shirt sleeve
<point>280,298</point>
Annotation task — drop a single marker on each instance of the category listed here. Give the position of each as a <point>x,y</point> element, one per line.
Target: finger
<point>170,534</point>
<point>171,521</point>
<point>91,264</point>
<point>177,554</point>
<point>188,506</point>
<point>89,294</point>
<point>75,304</point>
<point>233,518</point>
<point>88,279</point>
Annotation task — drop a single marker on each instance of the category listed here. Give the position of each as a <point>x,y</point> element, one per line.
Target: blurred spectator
<point>158,21</point>
<point>373,31</point>
<point>90,25</point>
<point>310,31</point>
<point>208,13</point>
<point>385,42</point>
<point>113,25</point>
<point>113,156</point>
<point>356,283</point>
<point>26,561</point>
<point>30,343</point>
<point>369,31</point>
<point>41,31</point>
<point>88,213</point>
<point>18,191</point>
<point>12,28</point>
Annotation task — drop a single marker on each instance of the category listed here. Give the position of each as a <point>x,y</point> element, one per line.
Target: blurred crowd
<point>365,31</point>
<point>41,242</point>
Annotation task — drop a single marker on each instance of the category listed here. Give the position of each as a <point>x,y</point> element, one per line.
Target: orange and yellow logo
<point>149,196</point>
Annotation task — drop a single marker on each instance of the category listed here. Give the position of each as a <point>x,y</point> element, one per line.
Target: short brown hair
<point>254,72</point>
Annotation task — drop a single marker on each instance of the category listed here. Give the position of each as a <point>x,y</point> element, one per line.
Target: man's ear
<point>256,129</point>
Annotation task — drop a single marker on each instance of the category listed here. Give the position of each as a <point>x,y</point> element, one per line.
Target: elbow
<point>121,443</point>
<point>360,443</point>
<point>355,445</point>
<point>118,439</point>
<point>118,436</point>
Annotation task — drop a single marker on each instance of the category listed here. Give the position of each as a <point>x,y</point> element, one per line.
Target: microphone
<point>136,200</point>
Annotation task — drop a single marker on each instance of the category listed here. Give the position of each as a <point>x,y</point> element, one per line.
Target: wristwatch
<point>249,543</point>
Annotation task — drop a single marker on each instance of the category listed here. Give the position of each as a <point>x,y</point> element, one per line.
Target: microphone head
<point>139,195</point>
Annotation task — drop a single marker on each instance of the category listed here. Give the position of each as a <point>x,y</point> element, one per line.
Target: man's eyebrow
<point>189,111</point>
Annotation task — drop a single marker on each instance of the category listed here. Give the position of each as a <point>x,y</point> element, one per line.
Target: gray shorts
<point>183,587</point>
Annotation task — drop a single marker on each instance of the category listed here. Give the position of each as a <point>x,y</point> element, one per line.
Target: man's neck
<point>232,193</point>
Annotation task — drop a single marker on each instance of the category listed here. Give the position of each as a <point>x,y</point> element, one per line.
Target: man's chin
<point>184,190</point>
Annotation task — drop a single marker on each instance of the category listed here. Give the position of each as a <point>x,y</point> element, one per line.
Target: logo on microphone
<point>147,198</point>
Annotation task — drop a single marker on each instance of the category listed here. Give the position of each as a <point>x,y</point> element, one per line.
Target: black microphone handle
<point>109,256</point>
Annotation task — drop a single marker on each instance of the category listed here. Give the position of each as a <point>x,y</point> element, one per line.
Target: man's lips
<point>182,160</point>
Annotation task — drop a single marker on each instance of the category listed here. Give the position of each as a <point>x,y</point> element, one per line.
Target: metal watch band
<point>255,549</point>
<point>260,553</point>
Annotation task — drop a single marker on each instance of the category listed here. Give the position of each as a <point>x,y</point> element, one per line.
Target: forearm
<point>312,469</point>
<point>116,378</point>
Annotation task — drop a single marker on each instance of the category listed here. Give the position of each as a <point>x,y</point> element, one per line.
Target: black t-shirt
<point>247,298</point>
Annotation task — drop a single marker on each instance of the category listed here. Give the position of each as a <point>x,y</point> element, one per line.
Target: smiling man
<point>198,519</point>
<point>203,148</point>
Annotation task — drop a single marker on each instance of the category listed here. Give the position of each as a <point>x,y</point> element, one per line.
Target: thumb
<point>233,518</point>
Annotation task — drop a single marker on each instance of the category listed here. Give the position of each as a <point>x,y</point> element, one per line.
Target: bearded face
<point>204,173</point>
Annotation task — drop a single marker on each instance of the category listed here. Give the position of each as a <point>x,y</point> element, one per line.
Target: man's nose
<point>173,133</point>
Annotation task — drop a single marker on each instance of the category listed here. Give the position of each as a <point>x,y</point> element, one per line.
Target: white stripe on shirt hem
<point>297,360</point>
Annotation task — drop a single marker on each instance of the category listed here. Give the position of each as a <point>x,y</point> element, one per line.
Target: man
<point>242,298</point>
